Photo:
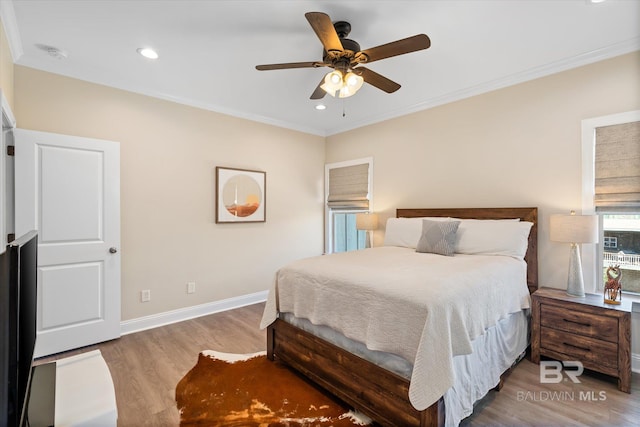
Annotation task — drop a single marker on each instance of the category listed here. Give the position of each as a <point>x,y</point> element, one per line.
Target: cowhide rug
<point>249,390</point>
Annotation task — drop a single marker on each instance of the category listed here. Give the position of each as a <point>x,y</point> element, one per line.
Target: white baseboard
<point>168,317</point>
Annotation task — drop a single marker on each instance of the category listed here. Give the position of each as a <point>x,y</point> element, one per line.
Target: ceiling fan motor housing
<point>343,28</point>
<point>350,56</point>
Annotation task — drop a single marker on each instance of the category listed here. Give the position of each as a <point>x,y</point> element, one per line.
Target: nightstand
<point>585,329</point>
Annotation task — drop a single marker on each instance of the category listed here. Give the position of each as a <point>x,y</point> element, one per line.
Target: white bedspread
<point>425,308</point>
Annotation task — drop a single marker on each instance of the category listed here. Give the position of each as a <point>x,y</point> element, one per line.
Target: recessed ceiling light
<point>597,1</point>
<point>147,52</point>
<point>321,107</point>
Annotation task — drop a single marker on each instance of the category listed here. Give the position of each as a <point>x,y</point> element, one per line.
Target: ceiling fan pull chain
<point>344,114</point>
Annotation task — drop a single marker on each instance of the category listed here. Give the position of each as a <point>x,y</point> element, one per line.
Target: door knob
<point>113,250</point>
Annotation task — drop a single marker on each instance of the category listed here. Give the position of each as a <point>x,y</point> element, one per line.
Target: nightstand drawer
<point>587,324</point>
<point>592,352</point>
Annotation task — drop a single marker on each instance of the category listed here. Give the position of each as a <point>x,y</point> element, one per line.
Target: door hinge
<point>11,150</point>
<point>11,237</point>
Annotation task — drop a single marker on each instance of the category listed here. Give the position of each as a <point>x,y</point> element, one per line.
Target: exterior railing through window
<point>631,261</point>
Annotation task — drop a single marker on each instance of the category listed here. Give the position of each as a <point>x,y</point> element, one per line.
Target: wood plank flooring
<point>146,366</point>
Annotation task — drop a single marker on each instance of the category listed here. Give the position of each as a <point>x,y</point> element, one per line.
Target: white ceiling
<point>208,49</point>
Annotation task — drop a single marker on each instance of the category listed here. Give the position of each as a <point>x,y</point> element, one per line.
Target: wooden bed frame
<point>374,391</point>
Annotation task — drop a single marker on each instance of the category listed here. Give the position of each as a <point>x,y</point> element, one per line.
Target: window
<point>348,192</point>
<point>610,242</point>
<point>345,235</point>
<point>621,246</point>
<point>611,188</point>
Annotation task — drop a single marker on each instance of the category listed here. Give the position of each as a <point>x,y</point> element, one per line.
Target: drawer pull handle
<point>578,323</point>
<point>576,346</point>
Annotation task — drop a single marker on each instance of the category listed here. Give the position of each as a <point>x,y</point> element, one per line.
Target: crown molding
<point>8,119</point>
<point>8,18</point>
<point>587,58</point>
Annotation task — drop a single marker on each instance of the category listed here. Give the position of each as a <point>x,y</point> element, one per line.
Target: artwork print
<point>240,195</point>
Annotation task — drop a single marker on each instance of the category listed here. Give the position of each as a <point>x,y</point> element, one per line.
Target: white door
<point>68,188</point>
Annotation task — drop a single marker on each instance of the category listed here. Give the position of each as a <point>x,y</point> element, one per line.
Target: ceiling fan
<point>345,57</point>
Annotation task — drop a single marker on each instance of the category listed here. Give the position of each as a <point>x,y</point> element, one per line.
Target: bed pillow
<point>405,232</point>
<point>438,237</point>
<point>491,237</point>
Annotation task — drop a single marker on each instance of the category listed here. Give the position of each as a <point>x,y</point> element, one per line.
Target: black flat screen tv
<point>18,305</point>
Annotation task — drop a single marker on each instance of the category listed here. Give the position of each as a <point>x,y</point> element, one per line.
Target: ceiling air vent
<point>52,51</point>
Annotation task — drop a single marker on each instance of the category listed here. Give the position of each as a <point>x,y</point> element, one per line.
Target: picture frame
<point>240,195</point>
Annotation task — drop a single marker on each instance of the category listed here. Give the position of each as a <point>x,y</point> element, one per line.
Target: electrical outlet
<point>145,296</point>
<point>191,287</point>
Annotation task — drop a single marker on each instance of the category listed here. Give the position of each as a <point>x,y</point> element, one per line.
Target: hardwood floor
<point>146,366</point>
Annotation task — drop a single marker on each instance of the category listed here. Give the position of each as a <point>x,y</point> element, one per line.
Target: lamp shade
<point>574,228</point>
<point>366,221</point>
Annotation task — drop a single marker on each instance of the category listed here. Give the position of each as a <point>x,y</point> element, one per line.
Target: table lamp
<point>367,222</point>
<point>574,229</point>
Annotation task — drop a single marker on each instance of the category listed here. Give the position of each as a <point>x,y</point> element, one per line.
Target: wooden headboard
<point>525,214</point>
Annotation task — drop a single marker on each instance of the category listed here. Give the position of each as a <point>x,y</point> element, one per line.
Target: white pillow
<point>493,237</point>
<point>406,232</point>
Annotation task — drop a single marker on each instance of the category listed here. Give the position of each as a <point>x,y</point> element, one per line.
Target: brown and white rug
<point>249,390</point>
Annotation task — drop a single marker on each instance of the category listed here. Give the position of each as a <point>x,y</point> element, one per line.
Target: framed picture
<point>240,195</point>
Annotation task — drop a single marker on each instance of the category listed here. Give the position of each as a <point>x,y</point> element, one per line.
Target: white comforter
<point>425,308</point>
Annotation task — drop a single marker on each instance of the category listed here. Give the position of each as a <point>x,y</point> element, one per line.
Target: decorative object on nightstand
<point>574,229</point>
<point>613,288</point>
<point>367,222</point>
<point>582,329</point>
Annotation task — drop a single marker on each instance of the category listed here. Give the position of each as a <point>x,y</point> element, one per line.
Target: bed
<point>385,393</point>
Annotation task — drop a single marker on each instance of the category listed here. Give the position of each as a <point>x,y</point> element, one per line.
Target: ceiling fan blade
<point>399,47</point>
<point>322,25</point>
<point>377,80</point>
<point>290,65</point>
<point>319,93</point>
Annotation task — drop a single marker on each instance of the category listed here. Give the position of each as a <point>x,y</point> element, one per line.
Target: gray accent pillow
<point>438,237</point>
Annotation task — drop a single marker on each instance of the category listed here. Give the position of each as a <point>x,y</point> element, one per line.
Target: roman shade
<point>617,166</point>
<point>349,187</point>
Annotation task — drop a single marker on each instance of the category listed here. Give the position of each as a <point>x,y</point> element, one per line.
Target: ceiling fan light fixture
<point>345,92</point>
<point>344,85</point>
<point>350,85</point>
<point>332,82</point>
<point>353,81</point>
<point>334,77</point>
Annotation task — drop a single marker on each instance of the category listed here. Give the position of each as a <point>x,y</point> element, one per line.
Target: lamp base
<point>575,281</point>
<point>368,243</point>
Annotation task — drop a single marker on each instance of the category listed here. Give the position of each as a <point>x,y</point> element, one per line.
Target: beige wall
<point>168,157</point>
<point>518,146</point>
<point>6,67</point>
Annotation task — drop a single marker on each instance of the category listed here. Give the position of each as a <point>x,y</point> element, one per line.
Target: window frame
<point>328,239</point>
<point>609,242</point>
<point>592,257</point>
